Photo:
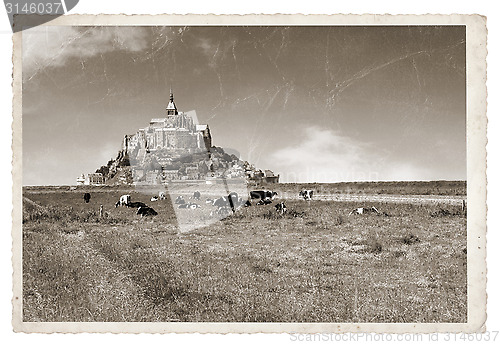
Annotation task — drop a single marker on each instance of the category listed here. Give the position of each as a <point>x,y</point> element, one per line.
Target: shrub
<point>441,213</point>
<point>410,239</point>
<point>445,213</point>
<point>338,220</point>
<point>374,247</point>
<point>295,214</point>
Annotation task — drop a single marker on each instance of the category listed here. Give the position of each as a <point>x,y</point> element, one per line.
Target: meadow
<point>314,264</point>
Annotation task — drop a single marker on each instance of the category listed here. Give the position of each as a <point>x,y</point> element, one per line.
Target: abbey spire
<point>171,108</point>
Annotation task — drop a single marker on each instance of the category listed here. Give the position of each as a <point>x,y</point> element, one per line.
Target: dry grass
<point>314,264</point>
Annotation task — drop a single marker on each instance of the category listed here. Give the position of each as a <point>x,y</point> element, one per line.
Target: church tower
<point>171,108</point>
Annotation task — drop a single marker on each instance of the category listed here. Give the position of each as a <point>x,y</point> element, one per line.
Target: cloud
<point>52,46</point>
<point>328,156</point>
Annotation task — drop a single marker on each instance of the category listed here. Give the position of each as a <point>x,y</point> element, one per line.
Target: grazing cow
<point>196,195</point>
<point>230,201</point>
<point>191,206</point>
<point>162,196</point>
<point>306,194</point>
<point>265,201</point>
<point>86,197</point>
<point>124,200</point>
<point>136,204</point>
<point>179,200</point>
<point>280,208</point>
<point>262,194</point>
<point>364,210</point>
<point>146,211</point>
<point>154,198</point>
<point>221,202</point>
<point>247,203</point>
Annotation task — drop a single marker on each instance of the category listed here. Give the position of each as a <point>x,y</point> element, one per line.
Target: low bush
<point>410,239</point>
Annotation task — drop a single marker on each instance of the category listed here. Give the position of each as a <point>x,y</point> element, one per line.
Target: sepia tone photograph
<point>298,174</point>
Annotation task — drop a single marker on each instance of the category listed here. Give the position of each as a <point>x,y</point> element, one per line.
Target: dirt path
<point>410,199</point>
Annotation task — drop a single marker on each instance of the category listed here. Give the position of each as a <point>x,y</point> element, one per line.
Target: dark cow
<point>262,194</point>
<point>146,211</point>
<point>247,203</point>
<point>280,208</point>
<point>306,194</point>
<point>136,204</point>
<point>86,197</point>
<point>196,195</point>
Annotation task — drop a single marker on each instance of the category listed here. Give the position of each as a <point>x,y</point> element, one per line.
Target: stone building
<point>176,134</point>
<point>93,179</point>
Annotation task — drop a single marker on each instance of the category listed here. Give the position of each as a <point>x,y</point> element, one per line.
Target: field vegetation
<point>314,264</point>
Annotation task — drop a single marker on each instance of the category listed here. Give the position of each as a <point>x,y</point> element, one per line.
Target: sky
<point>313,104</point>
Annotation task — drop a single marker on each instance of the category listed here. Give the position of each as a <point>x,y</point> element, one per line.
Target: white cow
<point>124,200</point>
<point>306,194</point>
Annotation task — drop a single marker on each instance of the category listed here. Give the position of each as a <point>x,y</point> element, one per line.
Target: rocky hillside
<point>158,167</point>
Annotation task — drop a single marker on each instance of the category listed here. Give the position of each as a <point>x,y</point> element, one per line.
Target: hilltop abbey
<point>170,148</point>
<point>176,133</point>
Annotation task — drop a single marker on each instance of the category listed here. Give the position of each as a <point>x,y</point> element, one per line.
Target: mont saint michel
<point>170,148</point>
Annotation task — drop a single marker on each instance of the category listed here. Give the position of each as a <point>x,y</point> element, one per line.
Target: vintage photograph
<point>256,174</point>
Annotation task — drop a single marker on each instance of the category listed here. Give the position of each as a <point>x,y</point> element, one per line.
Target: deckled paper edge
<point>476,176</point>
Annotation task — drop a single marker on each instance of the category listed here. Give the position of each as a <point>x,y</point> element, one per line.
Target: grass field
<point>315,264</point>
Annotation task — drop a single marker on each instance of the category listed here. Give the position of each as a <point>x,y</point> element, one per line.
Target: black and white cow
<point>124,200</point>
<point>146,211</point>
<point>86,197</point>
<point>265,201</point>
<point>280,208</point>
<point>231,201</point>
<point>162,196</point>
<point>197,195</point>
<point>307,194</point>
<point>364,210</point>
<point>191,206</point>
<point>262,194</point>
<point>221,202</point>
